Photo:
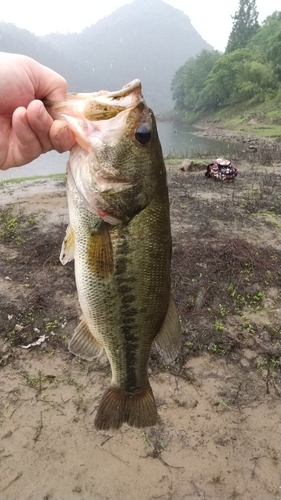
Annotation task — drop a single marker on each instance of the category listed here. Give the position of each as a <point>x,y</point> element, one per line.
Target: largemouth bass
<point>120,237</point>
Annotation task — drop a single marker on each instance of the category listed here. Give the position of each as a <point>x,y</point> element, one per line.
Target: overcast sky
<point>211,18</point>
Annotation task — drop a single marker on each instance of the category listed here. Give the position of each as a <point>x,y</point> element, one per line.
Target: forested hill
<point>246,76</point>
<point>147,39</point>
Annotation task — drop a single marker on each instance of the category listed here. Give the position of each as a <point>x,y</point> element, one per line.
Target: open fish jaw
<point>97,105</point>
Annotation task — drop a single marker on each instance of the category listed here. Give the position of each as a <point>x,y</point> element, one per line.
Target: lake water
<point>175,139</point>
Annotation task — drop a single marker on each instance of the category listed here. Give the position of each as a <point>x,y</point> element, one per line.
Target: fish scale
<point>125,313</point>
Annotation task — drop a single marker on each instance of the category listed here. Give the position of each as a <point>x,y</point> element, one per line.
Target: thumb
<point>61,137</point>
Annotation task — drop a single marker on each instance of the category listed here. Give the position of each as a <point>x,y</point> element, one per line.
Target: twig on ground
<point>19,474</point>
<point>39,428</point>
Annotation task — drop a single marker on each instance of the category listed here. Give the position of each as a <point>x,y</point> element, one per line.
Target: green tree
<point>266,43</point>
<point>245,25</point>
<point>222,81</point>
<point>237,77</point>
<point>177,87</point>
<point>189,79</point>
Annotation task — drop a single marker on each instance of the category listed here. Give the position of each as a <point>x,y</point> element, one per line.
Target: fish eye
<point>142,134</point>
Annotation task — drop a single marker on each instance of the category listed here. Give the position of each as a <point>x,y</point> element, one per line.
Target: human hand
<point>26,128</point>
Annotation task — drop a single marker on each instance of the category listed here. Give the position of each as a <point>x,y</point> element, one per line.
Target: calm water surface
<point>175,139</point>
<point>178,139</point>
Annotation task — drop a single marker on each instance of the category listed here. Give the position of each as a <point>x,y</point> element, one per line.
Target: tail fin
<point>117,407</point>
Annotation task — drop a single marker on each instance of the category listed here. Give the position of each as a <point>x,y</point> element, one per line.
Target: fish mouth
<point>96,106</point>
<point>100,116</point>
<point>128,96</point>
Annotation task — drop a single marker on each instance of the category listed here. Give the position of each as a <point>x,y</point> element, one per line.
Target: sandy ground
<point>218,434</point>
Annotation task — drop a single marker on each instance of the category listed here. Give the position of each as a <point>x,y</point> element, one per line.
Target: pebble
<point>248,354</point>
<point>244,363</point>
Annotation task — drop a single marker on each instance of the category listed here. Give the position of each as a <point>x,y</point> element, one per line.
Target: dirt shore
<point>218,433</point>
<point>255,149</point>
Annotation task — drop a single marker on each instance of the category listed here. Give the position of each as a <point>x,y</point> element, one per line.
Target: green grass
<point>173,161</point>
<point>260,120</point>
<point>18,180</point>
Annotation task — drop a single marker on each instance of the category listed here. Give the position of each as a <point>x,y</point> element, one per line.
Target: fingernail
<point>63,133</point>
<point>65,138</point>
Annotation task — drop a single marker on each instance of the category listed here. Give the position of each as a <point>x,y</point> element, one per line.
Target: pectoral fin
<point>83,343</point>
<point>100,252</point>
<point>67,248</point>
<point>168,340</point>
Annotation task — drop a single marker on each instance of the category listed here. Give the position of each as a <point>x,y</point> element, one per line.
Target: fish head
<point>116,164</point>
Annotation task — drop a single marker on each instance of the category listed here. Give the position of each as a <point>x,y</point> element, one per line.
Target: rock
<point>265,336</point>
<point>192,166</point>
<point>244,363</point>
<point>5,358</point>
<point>248,354</point>
<point>6,348</point>
<point>200,165</point>
<point>185,165</point>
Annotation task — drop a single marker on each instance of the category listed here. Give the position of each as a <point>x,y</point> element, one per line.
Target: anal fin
<point>100,253</point>
<point>67,248</point>
<point>168,339</point>
<point>83,343</point>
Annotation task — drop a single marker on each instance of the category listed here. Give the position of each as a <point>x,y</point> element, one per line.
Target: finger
<point>26,146</point>
<point>40,122</point>
<point>61,137</point>
<point>4,140</point>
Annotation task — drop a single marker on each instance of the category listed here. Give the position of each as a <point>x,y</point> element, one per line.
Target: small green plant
<point>217,350</point>
<point>33,381</point>
<point>219,325</point>
<point>145,438</point>
<point>225,405</point>
<point>247,324</point>
<point>258,296</point>
<point>11,335</point>
<point>51,325</point>
<point>274,363</point>
<point>159,445</point>
<point>78,386</point>
<point>267,363</point>
<point>274,223</point>
<point>223,311</point>
<point>9,224</point>
<point>19,240</point>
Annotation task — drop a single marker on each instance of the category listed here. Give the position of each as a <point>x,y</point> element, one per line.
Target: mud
<point>218,431</point>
